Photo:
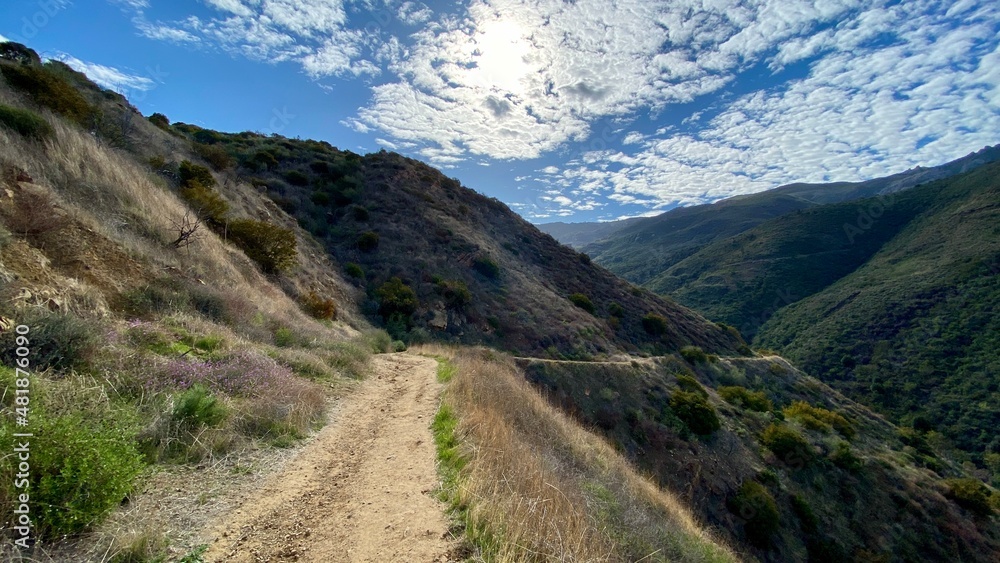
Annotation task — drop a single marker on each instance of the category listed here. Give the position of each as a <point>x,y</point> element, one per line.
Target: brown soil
<point>363,490</point>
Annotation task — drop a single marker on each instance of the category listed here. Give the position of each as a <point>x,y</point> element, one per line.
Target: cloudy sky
<point>565,110</point>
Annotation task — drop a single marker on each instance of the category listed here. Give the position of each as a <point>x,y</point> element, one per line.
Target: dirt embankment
<point>363,490</point>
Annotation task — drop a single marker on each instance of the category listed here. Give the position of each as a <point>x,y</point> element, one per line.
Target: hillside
<point>918,316</point>
<point>781,464</point>
<point>438,261</point>
<point>645,249</point>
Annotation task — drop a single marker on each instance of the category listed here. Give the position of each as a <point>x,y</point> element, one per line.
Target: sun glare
<point>501,51</point>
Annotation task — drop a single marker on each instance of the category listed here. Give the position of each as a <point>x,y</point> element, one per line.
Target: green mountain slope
<point>645,249</point>
<point>914,331</point>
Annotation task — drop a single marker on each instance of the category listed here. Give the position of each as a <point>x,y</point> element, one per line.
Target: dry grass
<point>535,486</point>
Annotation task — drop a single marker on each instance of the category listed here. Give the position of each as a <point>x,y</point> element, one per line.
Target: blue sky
<point>585,110</point>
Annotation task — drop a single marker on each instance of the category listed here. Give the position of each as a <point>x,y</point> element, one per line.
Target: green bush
<point>583,302</point>
<point>810,524</point>
<point>354,270</point>
<point>787,444</point>
<point>398,346</point>
<point>755,505</point>
<point>47,89</point>
<point>284,337</point>
<point>654,324</point>
<point>486,266</point>
<point>271,246</point>
<point>214,155</point>
<point>191,173</point>
<point>159,120</point>
<point>206,202</point>
<point>693,354</point>
<point>695,411</point>
<point>971,494</point>
<point>691,385</point>
<point>296,178</point>
<point>616,310</point>
<point>263,160</point>
<point>196,407</point>
<point>844,458</point>
<point>396,298</point>
<point>55,340</point>
<point>80,471</point>
<point>743,397</point>
<point>24,122</point>
<point>817,418</point>
<point>456,294</point>
<point>367,241</point>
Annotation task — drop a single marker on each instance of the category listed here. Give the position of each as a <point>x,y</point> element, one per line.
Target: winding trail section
<point>362,490</point>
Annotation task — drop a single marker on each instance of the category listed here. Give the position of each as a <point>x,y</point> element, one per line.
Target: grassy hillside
<point>528,483</point>
<point>645,249</point>
<point>438,261</point>
<point>781,464</point>
<point>144,350</point>
<point>914,331</point>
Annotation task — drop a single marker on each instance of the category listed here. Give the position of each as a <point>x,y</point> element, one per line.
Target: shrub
<point>206,202</point>
<point>190,173</point>
<point>34,213</point>
<point>242,374</point>
<point>755,505</point>
<point>810,524</point>
<point>844,458</point>
<point>398,346</point>
<point>691,385</point>
<point>24,122</point>
<point>654,324</point>
<point>456,293</point>
<point>214,155</point>
<point>263,160</point>
<point>787,444</point>
<point>367,241</point>
<point>486,266</point>
<point>56,340</point>
<point>195,407</point>
<point>743,397</point>
<point>318,307</point>
<point>271,246</point>
<point>354,270</point>
<point>695,411</point>
<point>817,418</point>
<point>616,310</point>
<point>583,302</point>
<point>360,213</point>
<point>159,120</point>
<point>971,494</point>
<point>395,297</point>
<point>47,89</point>
<point>80,471</point>
<point>693,354</point>
<point>296,178</point>
<point>284,337</point>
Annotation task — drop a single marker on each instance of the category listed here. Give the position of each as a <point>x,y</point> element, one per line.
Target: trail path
<point>361,491</point>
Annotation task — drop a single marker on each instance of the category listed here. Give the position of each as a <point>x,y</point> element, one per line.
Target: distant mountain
<point>645,249</point>
<point>579,235</point>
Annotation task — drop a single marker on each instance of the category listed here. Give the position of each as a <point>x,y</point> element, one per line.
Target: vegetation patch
<point>745,398</point>
<point>754,504</point>
<point>25,122</point>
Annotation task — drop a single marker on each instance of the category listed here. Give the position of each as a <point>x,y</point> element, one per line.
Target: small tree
<point>159,120</point>
<point>583,302</point>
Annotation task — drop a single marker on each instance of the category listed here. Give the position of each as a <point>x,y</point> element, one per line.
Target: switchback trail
<point>363,490</point>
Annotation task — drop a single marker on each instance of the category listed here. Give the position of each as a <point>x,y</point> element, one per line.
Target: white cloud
<point>864,110</point>
<point>313,33</point>
<point>3,39</point>
<point>107,76</point>
<point>414,13</point>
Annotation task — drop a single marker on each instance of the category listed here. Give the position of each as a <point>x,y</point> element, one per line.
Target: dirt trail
<point>361,491</point>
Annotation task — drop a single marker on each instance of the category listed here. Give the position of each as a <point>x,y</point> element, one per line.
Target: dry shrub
<point>538,487</point>
<point>284,413</point>
<point>34,213</point>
